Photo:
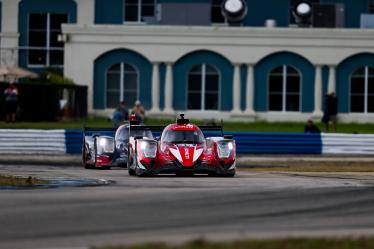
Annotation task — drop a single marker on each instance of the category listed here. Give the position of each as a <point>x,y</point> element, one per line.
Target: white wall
<point>240,45</point>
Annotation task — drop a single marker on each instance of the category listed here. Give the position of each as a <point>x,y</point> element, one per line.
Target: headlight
<point>103,142</point>
<point>224,149</point>
<point>105,145</point>
<point>149,149</point>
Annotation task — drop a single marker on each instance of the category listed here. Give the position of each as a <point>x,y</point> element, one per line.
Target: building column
<point>155,88</point>
<point>169,89</point>
<point>9,17</point>
<point>318,92</point>
<point>250,91</point>
<point>9,30</point>
<point>332,79</point>
<point>86,12</point>
<point>236,90</point>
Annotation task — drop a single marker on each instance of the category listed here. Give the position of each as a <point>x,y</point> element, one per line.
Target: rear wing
<point>146,128</point>
<point>107,129</point>
<point>218,128</point>
<point>87,129</point>
<point>90,131</point>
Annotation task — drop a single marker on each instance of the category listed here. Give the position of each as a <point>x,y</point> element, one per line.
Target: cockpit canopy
<point>122,133</point>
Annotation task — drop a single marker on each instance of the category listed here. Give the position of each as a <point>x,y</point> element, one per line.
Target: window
<point>203,88</point>
<point>371,6</point>
<point>362,90</point>
<point>216,12</point>
<point>284,89</point>
<point>121,85</point>
<point>137,10</point>
<point>44,48</point>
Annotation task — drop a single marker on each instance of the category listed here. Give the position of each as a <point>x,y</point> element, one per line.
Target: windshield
<point>194,137</point>
<point>123,133</point>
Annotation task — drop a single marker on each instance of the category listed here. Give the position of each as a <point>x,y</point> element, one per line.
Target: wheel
<point>85,164</point>
<point>88,166</point>
<point>130,161</point>
<point>140,172</point>
<point>84,159</point>
<point>131,172</point>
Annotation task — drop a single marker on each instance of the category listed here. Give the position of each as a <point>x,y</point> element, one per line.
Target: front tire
<point>130,163</point>
<point>140,172</point>
<point>88,166</point>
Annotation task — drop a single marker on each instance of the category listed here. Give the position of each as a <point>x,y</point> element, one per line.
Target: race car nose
<point>187,155</point>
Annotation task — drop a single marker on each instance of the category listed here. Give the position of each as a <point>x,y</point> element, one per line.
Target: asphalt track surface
<point>175,209</point>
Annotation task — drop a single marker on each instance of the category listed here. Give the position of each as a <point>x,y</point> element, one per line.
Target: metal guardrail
<point>25,141</point>
<point>70,141</point>
<point>349,144</point>
<point>276,143</point>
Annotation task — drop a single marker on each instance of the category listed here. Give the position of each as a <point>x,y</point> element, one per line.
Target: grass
<point>347,166</point>
<point>332,168</point>
<point>15,181</point>
<point>228,126</point>
<point>293,243</point>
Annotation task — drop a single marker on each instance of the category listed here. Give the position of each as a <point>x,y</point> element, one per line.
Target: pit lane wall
<point>24,141</point>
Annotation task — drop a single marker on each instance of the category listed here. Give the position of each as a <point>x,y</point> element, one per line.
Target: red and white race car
<point>182,149</point>
<point>107,147</point>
